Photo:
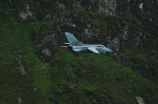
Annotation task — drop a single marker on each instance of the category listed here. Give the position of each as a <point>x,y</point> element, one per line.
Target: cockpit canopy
<point>100,45</point>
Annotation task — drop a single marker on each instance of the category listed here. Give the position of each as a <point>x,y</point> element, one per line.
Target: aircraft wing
<point>93,50</point>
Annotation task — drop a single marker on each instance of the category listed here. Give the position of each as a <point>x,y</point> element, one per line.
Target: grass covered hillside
<point>16,42</point>
<point>97,78</point>
<point>66,77</point>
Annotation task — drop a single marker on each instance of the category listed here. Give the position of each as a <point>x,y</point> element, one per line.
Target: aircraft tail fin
<point>72,40</point>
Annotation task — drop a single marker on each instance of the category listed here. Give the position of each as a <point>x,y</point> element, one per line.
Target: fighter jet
<point>78,46</point>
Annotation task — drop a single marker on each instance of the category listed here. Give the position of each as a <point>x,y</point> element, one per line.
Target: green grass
<point>16,41</point>
<point>68,78</point>
<point>134,54</point>
<point>95,75</point>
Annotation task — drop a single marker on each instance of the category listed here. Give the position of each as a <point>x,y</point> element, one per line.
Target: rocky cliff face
<point>100,6</point>
<point>119,25</point>
<point>128,27</point>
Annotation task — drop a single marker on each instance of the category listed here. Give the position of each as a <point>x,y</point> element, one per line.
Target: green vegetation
<point>134,54</point>
<point>80,77</point>
<point>68,78</point>
<point>15,42</point>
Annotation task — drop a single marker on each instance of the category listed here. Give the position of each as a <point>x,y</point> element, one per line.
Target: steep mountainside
<point>34,70</point>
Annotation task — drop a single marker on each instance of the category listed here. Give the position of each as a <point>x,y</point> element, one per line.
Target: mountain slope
<point>33,69</point>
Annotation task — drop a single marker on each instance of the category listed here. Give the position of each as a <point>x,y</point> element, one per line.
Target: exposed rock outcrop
<point>124,62</point>
<point>26,16</point>
<point>69,24</point>
<point>140,100</point>
<point>61,5</point>
<point>19,99</point>
<point>51,39</point>
<point>128,24</point>
<point>21,68</point>
<point>46,52</point>
<point>101,6</point>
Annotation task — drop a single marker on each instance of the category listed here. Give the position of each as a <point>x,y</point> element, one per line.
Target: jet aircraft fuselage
<point>84,47</point>
<point>78,46</point>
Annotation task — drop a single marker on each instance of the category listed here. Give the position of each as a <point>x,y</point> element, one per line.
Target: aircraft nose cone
<point>110,50</point>
<point>107,50</point>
